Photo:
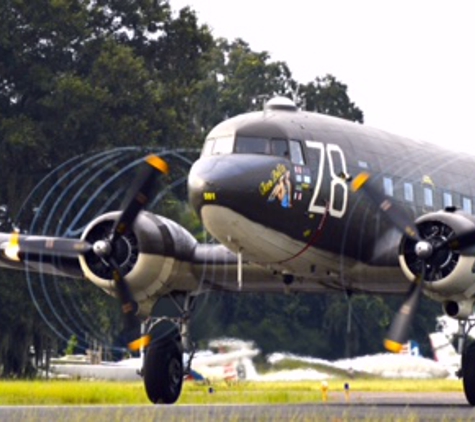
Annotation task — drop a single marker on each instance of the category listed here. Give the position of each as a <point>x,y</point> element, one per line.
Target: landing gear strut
<point>163,369</point>
<point>467,350</point>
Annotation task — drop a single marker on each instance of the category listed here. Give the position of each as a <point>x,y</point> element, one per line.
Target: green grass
<point>56,392</point>
<point>70,392</point>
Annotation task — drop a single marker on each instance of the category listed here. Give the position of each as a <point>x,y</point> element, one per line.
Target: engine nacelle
<point>449,272</point>
<point>154,257</point>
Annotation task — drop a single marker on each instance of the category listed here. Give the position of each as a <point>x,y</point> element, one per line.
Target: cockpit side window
<point>251,145</point>
<point>296,153</point>
<point>208,147</point>
<point>223,145</point>
<point>279,147</point>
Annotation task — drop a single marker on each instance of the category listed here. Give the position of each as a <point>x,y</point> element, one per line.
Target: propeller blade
<point>12,250</point>
<point>391,209</point>
<point>398,331</point>
<point>55,246</point>
<point>129,310</point>
<point>128,304</point>
<point>18,246</point>
<point>458,242</point>
<point>140,343</point>
<point>139,194</point>
<point>462,241</point>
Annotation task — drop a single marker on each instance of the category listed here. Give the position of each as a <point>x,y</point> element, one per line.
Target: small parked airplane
<point>381,365</point>
<point>408,363</point>
<point>231,363</point>
<point>300,202</point>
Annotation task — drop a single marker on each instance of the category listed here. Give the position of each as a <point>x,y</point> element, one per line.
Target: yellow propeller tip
<point>13,248</point>
<point>392,346</point>
<point>158,163</point>
<point>140,343</point>
<point>359,181</point>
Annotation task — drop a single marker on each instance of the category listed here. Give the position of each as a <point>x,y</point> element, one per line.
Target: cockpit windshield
<point>290,149</point>
<point>255,145</point>
<point>251,145</point>
<point>217,146</point>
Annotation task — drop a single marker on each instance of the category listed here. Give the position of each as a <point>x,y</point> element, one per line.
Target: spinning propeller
<point>428,249</point>
<point>135,200</point>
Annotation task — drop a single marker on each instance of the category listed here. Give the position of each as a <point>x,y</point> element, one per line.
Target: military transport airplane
<point>299,202</point>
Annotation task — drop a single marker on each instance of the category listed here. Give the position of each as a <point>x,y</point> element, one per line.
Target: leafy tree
<point>71,80</point>
<point>180,60</point>
<point>248,78</point>
<point>78,76</point>
<point>329,96</point>
<point>72,344</point>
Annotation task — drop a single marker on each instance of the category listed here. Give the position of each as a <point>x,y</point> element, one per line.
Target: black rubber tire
<point>163,370</point>
<point>468,373</point>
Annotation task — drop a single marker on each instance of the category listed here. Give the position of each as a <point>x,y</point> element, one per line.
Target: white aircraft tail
<point>247,370</point>
<point>443,349</point>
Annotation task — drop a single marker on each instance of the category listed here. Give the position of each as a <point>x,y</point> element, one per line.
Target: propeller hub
<point>423,249</point>
<point>102,248</point>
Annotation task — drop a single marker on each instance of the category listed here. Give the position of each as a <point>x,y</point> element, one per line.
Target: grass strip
<point>77,392</point>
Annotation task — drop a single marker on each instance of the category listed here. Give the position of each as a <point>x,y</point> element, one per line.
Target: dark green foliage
<point>314,325</point>
<point>78,76</point>
<point>328,96</point>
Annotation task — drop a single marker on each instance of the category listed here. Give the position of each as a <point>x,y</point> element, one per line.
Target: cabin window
<point>447,199</point>
<point>252,145</point>
<point>223,145</point>
<point>428,197</point>
<point>296,154</point>
<point>467,205</point>
<point>388,186</point>
<point>408,192</point>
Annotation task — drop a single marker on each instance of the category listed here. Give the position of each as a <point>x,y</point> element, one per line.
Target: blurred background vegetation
<point>87,79</point>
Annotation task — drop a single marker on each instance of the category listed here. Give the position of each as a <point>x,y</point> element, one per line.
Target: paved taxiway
<point>362,406</point>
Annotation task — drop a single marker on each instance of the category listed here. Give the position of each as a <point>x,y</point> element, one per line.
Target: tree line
<point>82,76</point>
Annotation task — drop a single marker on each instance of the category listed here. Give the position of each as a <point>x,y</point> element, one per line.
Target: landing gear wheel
<point>468,373</point>
<point>163,366</point>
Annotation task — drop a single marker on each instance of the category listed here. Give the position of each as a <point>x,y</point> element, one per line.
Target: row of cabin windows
<point>428,193</point>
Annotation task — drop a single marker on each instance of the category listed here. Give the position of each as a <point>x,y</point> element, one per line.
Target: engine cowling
<point>449,272</point>
<point>154,257</point>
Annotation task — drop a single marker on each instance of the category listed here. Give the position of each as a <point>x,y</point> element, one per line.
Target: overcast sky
<point>409,65</point>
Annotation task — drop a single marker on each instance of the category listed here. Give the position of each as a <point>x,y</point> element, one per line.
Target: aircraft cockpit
<point>287,148</point>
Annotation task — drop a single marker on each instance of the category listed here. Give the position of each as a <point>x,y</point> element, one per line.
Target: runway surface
<point>361,406</point>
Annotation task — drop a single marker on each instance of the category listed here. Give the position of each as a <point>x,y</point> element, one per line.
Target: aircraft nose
<point>233,181</point>
<point>208,180</point>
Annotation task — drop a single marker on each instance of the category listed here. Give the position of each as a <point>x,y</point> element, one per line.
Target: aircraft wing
<point>216,359</point>
<point>383,365</point>
<point>289,361</point>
